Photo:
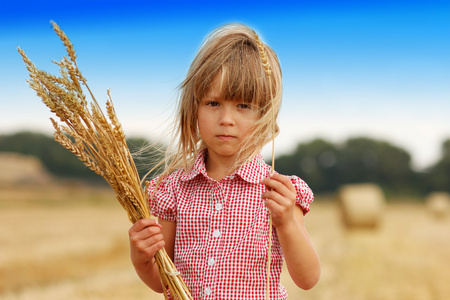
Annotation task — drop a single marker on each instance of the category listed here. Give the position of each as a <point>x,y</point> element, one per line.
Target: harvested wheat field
<point>69,241</point>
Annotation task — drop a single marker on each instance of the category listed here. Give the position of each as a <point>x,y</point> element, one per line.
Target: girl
<point>215,197</point>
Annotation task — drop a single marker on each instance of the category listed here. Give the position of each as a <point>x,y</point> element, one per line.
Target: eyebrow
<point>210,98</point>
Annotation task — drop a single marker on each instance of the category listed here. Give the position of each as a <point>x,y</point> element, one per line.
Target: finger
<point>145,234</point>
<point>145,250</point>
<point>270,204</point>
<point>276,185</point>
<point>284,180</point>
<point>143,223</point>
<point>278,198</point>
<point>151,244</point>
<point>275,208</point>
<point>148,246</point>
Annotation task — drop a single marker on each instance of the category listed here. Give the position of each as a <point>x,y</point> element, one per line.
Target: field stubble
<point>70,242</point>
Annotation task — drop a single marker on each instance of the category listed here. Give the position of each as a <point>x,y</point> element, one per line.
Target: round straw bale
<point>17,168</point>
<point>438,204</point>
<point>361,204</point>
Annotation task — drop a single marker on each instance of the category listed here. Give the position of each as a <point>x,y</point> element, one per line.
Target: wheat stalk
<point>99,142</point>
<point>268,71</point>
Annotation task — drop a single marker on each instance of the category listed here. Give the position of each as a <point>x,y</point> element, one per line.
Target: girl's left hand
<point>280,198</point>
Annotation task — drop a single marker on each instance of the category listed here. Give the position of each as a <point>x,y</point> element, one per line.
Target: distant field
<point>71,243</point>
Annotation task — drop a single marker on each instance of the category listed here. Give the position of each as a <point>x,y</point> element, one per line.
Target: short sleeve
<point>162,204</point>
<point>304,194</point>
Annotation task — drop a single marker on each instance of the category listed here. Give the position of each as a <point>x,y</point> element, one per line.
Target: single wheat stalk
<point>268,71</point>
<point>99,142</point>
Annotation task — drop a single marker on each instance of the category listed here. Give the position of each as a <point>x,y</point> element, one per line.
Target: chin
<point>225,152</point>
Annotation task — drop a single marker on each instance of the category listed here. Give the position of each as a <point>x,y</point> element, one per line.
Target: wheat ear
<point>268,71</point>
<point>98,140</point>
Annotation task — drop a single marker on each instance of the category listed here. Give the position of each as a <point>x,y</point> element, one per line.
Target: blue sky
<point>351,68</point>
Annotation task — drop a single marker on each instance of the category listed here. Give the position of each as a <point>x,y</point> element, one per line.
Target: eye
<point>212,103</point>
<point>244,106</point>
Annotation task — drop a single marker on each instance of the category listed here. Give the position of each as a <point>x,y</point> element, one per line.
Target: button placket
<point>214,240</point>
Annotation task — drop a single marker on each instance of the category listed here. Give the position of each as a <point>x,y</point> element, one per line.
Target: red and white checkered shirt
<point>222,230</point>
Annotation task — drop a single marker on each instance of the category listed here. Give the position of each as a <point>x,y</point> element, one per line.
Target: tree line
<point>326,166</point>
<point>323,165</point>
<point>62,163</point>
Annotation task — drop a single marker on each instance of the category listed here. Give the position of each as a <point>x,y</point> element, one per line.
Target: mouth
<point>225,137</point>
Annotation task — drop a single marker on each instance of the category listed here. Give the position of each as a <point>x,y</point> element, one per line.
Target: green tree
<point>54,157</point>
<point>438,176</point>
<point>145,155</point>
<point>62,162</point>
<point>369,160</point>
<point>315,162</point>
<point>325,166</point>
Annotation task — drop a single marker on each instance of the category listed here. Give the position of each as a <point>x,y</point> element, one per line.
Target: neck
<point>218,168</point>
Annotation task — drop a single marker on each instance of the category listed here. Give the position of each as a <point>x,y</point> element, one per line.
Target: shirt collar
<point>198,168</point>
<point>252,171</point>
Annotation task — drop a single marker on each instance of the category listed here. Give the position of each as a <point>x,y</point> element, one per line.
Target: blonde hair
<point>233,52</point>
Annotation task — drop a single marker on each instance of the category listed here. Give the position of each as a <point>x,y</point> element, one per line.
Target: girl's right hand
<point>145,240</point>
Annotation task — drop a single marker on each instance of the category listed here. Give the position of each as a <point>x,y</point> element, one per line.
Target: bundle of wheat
<point>438,204</point>
<point>361,204</point>
<point>99,141</point>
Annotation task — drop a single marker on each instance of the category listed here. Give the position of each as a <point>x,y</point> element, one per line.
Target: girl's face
<point>224,124</point>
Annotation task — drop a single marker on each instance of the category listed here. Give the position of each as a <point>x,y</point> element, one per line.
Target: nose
<point>227,116</point>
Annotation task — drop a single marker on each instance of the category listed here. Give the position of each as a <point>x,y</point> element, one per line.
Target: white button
<point>208,291</point>
<point>219,206</point>
<point>216,233</point>
<point>211,262</point>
